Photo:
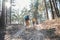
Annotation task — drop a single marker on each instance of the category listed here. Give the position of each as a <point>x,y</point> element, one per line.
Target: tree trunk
<point>55,8</point>
<point>36,11</point>
<point>57,11</point>
<point>35,15</point>
<point>46,9</point>
<point>2,21</point>
<point>51,8</point>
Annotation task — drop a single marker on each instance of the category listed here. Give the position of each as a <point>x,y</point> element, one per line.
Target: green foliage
<point>15,17</point>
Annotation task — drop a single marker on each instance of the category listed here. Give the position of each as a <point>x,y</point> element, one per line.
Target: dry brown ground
<point>48,24</point>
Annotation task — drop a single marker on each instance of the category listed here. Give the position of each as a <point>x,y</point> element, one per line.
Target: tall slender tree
<point>55,8</point>
<point>46,8</point>
<point>50,1</point>
<point>34,9</point>
<point>2,21</point>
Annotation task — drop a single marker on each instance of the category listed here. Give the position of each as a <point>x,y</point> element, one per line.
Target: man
<point>27,20</point>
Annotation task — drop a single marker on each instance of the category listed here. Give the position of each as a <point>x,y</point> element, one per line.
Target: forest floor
<point>48,30</point>
<point>49,24</point>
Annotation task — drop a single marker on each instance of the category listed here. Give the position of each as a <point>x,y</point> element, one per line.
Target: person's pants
<point>27,23</point>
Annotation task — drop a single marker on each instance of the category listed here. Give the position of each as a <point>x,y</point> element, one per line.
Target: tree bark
<point>55,8</point>
<point>51,9</point>
<point>2,21</point>
<point>46,9</point>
